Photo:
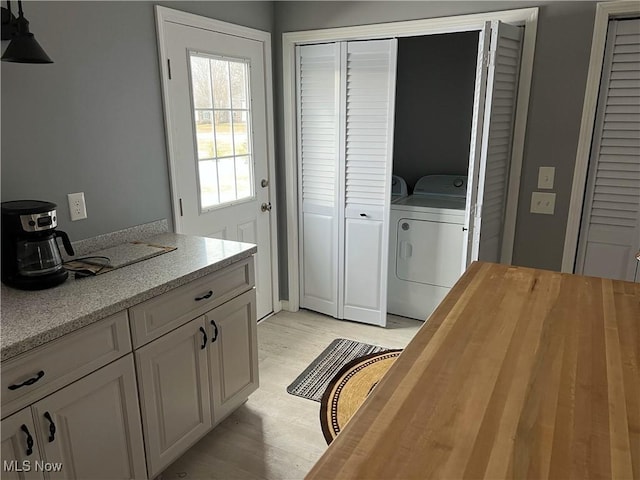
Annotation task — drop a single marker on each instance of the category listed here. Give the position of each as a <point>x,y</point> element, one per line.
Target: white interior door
<point>492,131</point>
<point>318,86</point>
<point>218,140</point>
<point>346,98</point>
<point>369,91</point>
<point>610,230</point>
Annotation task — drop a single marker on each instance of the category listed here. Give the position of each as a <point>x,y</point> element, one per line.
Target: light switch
<point>545,177</point>
<point>544,203</point>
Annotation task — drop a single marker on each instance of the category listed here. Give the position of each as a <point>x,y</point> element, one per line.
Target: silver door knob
<point>265,207</point>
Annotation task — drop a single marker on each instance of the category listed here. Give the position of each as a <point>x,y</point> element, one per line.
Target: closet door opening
<point>433,118</point>
<point>455,211</point>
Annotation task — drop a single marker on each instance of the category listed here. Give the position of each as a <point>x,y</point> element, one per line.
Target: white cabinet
<point>79,412</point>
<point>79,407</point>
<point>233,354</point>
<point>174,391</point>
<point>198,373</point>
<point>20,452</point>
<point>92,427</point>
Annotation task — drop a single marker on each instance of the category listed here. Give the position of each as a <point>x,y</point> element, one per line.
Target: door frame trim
<point>525,16</point>
<point>604,13</point>
<point>169,15</point>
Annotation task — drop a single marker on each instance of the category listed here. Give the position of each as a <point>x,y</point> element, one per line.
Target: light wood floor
<point>275,435</point>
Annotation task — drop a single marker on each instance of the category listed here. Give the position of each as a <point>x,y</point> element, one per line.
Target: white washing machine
<point>426,245</point>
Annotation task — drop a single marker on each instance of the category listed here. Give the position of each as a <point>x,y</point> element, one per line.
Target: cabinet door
<point>233,353</point>
<point>174,390</point>
<point>92,427</point>
<point>19,447</point>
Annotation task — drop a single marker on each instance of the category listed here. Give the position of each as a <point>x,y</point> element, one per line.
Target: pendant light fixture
<point>23,47</point>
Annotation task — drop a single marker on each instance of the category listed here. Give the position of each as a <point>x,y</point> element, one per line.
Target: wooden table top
<point>519,373</point>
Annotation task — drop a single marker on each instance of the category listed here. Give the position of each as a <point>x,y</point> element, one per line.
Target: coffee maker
<point>31,258</point>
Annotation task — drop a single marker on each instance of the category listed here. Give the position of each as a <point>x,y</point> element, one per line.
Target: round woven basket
<point>350,388</point>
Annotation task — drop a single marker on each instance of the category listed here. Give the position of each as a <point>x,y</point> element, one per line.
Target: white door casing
<point>492,138</point>
<point>220,136</point>
<point>610,230</point>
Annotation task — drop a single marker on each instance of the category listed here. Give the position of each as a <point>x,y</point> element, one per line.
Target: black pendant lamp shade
<point>23,47</point>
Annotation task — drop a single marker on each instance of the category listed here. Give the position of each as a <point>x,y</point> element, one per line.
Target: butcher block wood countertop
<point>519,373</point>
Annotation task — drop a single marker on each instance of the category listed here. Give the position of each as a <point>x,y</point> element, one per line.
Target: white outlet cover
<point>546,176</point>
<point>542,202</point>
<point>77,206</point>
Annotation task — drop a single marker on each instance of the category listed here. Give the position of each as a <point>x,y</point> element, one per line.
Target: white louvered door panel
<point>497,138</point>
<point>610,231</point>
<point>318,161</point>
<point>370,105</point>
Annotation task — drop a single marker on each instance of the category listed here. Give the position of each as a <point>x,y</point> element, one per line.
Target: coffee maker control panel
<point>37,222</point>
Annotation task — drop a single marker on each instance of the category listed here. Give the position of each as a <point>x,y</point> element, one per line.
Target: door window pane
<point>221,87</point>
<point>240,133</point>
<point>201,82</point>
<point>227,179</point>
<point>224,139</point>
<point>208,171</point>
<point>243,176</point>
<point>238,84</point>
<point>204,134</point>
<point>222,129</point>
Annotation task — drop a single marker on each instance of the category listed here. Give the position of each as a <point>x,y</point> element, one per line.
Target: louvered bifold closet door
<point>370,104</point>
<point>610,231</point>
<point>497,138</point>
<point>318,127</point>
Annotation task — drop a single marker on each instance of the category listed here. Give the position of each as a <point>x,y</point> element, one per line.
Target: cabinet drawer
<point>37,373</point>
<point>161,314</point>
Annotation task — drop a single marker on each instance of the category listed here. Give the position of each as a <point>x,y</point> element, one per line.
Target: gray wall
<point>434,105</point>
<point>93,120</point>
<point>557,92</point>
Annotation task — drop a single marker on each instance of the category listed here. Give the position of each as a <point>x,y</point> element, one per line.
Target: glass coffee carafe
<point>37,257</point>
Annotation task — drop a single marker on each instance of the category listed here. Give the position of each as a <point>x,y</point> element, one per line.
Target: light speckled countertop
<point>30,319</point>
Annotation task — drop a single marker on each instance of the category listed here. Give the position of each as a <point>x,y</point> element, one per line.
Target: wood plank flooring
<point>275,435</point>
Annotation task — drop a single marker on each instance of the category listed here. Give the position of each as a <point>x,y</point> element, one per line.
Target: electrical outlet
<point>546,176</point>
<point>544,203</point>
<point>77,207</point>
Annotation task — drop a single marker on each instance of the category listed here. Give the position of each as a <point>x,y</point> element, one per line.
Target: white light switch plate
<point>546,176</point>
<point>544,203</point>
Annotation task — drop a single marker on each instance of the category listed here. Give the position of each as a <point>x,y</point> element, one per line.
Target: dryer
<point>426,245</point>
